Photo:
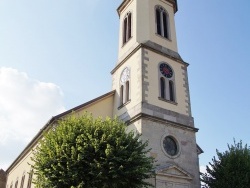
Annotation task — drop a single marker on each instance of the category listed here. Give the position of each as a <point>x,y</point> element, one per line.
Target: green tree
<point>83,152</point>
<point>230,170</point>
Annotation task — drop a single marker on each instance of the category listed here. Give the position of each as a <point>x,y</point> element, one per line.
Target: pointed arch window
<point>166,83</point>
<point>23,179</point>
<point>171,90</point>
<point>127,30</point>
<point>125,86</point>
<point>16,184</point>
<point>121,94</point>
<point>127,91</point>
<point>162,83</point>
<point>162,22</point>
<point>30,178</point>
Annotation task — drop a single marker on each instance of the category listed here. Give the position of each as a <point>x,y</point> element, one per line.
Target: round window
<point>170,146</point>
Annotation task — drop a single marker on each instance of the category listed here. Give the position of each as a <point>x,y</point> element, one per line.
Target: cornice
<point>161,120</point>
<point>122,6</point>
<point>126,2</point>
<point>155,48</point>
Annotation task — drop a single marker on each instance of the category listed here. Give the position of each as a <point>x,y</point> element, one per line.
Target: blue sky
<point>55,55</point>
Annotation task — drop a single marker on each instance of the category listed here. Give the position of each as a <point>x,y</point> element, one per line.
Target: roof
<point>125,2</point>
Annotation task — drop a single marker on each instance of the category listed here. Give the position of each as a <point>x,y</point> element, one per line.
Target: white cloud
<point>25,107</point>
<point>203,169</point>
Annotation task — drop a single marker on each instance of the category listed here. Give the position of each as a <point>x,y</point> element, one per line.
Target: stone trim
<point>145,81</point>
<point>187,93</point>
<point>166,171</point>
<point>199,150</point>
<point>160,120</point>
<point>167,114</point>
<point>163,51</point>
<point>158,113</point>
<point>165,100</point>
<point>125,57</point>
<point>153,47</point>
<point>122,6</point>
<point>138,77</point>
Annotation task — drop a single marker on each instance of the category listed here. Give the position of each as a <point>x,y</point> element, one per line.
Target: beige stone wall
<point>144,27</point>
<point>134,64</point>
<point>187,159</point>
<point>102,108</point>
<point>152,75</point>
<point>161,117</point>
<point>144,64</point>
<point>145,85</point>
<point>146,23</point>
<point>22,167</point>
<point>124,48</point>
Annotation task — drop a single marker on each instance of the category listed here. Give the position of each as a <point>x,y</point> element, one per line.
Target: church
<point>150,93</point>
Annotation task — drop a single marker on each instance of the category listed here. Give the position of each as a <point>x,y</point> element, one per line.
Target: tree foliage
<point>230,170</point>
<point>83,152</point>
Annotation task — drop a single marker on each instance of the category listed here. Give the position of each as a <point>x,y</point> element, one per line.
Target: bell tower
<point>152,90</point>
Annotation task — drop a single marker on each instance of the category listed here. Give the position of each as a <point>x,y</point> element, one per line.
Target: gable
<point>174,171</point>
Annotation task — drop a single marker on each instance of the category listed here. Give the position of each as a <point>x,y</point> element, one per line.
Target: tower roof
<point>125,2</point>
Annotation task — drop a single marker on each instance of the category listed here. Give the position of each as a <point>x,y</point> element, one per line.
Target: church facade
<point>150,92</point>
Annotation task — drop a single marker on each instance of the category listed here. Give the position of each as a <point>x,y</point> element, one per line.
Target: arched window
<point>162,23</point>
<point>11,185</point>
<point>22,181</point>
<point>127,91</point>
<point>166,82</point>
<point>30,179</point>
<point>162,80</point>
<point>171,90</point>
<point>127,22</point>
<point>121,94</point>
<point>125,86</point>
<point>16,184</point>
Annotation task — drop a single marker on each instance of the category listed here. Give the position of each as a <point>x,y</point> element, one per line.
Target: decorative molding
<point>152,47</point>
<point>186,86</point>
<point>173,171</point>
<point>145,81</point>
<point>161,120</point>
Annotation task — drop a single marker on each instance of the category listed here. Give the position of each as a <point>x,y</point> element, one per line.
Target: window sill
<point>163,37</point>
<point>124,104</point>
<point>166,100</point>
<point>124,44</point>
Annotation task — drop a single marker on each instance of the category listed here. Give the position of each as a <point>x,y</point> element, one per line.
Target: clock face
<point>166,70</point>
<point>125,75</point>
<point>170,146</point>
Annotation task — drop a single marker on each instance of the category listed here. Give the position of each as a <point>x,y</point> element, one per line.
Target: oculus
<point>170,146</point>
